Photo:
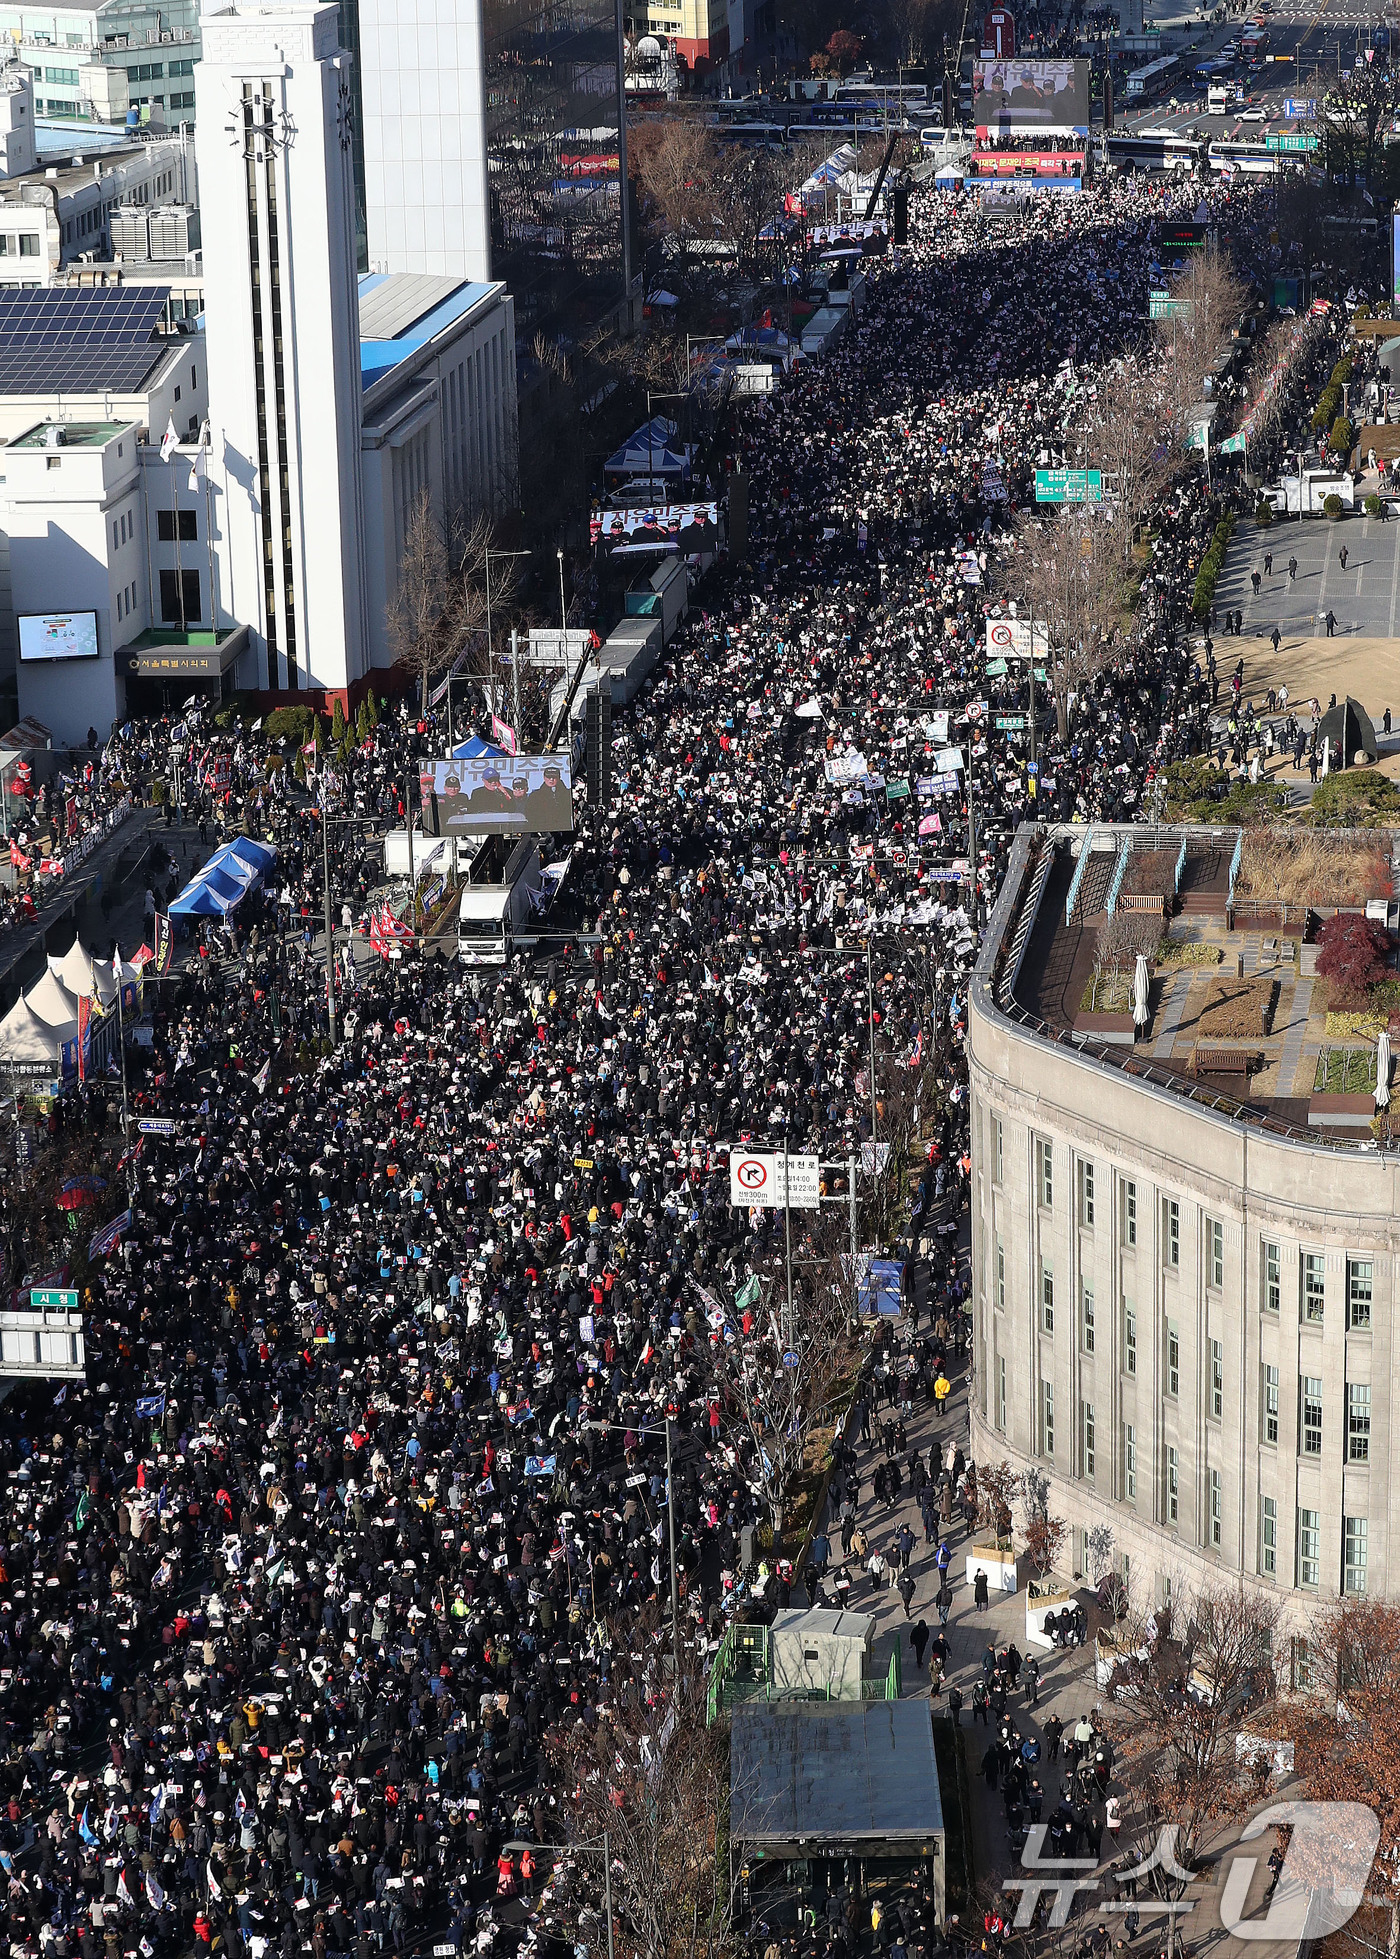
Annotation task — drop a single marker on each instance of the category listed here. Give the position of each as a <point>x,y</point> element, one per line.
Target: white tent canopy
<point>80,972</point>
<point>51,1000</point>
<point>26,1042</point>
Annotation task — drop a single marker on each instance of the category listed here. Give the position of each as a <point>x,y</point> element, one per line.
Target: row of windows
<point>1360,1272</point>
<point>23,244</point>
<point>1355,1530</point>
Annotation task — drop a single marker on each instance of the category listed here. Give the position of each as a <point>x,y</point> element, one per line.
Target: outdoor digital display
<point>1030,98</point>
<point>58,636</point>
<point>525,793</point>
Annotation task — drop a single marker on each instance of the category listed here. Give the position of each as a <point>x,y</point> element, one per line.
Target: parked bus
<point>1155,152</point>
<point>884,95</point>
<point>1145,83</point>
<point>1250,159</point>
<point>1254,43</point>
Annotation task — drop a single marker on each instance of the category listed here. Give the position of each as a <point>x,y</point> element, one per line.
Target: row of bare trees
<point>1071,568</point>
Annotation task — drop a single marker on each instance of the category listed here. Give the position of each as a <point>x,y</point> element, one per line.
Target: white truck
<point>497,909</point>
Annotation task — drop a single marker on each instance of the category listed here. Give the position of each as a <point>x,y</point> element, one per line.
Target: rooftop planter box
<point>1340,1111</point>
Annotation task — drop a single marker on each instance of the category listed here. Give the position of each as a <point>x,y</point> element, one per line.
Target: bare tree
<point>1352,110</point>
<point>1207,301</point>
<point>419,617</point>
<point>1128,437</point>
<point>1346,1734</point>
<point>676,172</point>
<point>1066,572</point>
<point>1177,1701</point>
<point>653,1782</point>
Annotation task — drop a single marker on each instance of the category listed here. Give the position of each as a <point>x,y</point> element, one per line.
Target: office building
<point>553,102</point>
<point>1185,1251</point>
<point>698,31</point>
<point>282,329</point>
<point>424,138</point>
<point>105,59</point>
<point>157,549</point>
<point>64,215</point>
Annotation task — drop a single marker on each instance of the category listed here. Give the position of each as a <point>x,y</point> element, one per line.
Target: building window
<point>1216,1499</point>
<point>1171,1233</point>
<point>1215,1252</point>
<point>1299,1665</point>
<point>1047,1419</point>
<point>1309,1549</point>
<point>1313,1287</point>
<point>1001,1392</point>
<point>28,244</point>
<point>1359,1272</point>
<point>1129,1336</point>
<point>1270,1403</point>
<point>1047,1297</point>
<point>1045,1173</point>
<point>1173,1488</point>
<point>181,68</point>
<point>1354,1532</point>
<point>1358,1421</point>
<point>1086,1195</point>
<point>1272,1276</point>
<point>179,597</point>
<point>1173,1360</point>
<point>1086,1409</point>
<point>996,1149</point>
<point>64,77</point>
<point>1217,1381</point>
<point>1311,1422</point>
<point>1130,1462</point>
<point>165,526</point>
<point>1268,1536</point>
<point>1001,1273</point>
<point>1088,1316</point>
<point>1129,1213</point>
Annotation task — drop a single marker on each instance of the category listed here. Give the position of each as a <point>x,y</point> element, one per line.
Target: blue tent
<point>226,879</point>
<point>649,452</point>
<point>473,749</point>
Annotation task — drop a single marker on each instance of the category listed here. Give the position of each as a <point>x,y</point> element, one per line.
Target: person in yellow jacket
<point>942,1388</point>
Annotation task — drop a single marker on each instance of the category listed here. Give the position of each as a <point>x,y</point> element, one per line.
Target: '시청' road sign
<point>1068,486</point>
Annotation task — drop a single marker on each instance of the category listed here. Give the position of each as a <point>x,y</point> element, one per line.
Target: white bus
<point>1249,159</point>
<point>1155,152</point>
<point>1144,83</point>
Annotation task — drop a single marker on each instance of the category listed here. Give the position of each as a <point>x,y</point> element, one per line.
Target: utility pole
<point>607,1854</point>
<point>515,683</point>
<point>412,880</point>
<point>330,931</point>
<point>675,1594</point>
<point>870,1009</point>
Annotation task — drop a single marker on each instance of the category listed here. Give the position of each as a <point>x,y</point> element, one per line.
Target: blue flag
<point>150,1407</point>
<point>539,1465</point>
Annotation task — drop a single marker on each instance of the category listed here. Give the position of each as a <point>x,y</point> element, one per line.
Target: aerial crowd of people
<point>362,1504</point>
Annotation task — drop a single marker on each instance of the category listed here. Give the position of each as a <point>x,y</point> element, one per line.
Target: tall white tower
<point>421,80</point>
<point>273,136</point>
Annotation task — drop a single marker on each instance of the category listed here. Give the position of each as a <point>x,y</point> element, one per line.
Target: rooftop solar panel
<point>80,370</point>
<point>76,340</point>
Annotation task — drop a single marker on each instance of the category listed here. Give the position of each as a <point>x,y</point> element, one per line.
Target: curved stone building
<point>1184,1253</point>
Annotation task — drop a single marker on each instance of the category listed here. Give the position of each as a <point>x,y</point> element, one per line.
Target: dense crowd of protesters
<point>362,1501</point>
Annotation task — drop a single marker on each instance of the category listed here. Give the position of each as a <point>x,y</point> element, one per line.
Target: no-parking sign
<point>756,1180</point>
<point>1010,639</point>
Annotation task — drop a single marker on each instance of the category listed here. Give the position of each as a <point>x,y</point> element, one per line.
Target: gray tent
<point>1348,727</point>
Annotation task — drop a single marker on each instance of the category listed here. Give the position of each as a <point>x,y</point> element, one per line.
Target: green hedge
<point>1208,571</point>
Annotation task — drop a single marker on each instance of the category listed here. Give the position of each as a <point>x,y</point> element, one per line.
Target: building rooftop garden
<point>1254,971</point>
